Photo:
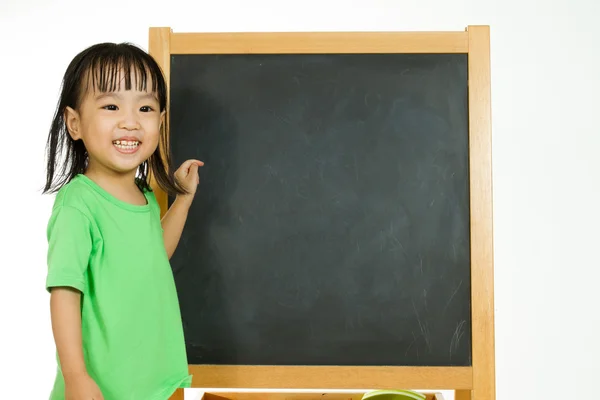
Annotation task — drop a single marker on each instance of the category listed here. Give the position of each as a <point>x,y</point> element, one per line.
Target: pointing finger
<point>188,163</point>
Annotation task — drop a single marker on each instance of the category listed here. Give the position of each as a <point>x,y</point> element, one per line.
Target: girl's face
<point>119,129</point>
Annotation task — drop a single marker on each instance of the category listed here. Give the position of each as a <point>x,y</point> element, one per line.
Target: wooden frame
<point>476,382</point>
<point>222,395</point>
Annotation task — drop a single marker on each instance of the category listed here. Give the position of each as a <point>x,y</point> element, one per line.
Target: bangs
<point>112,71</point>
<point>104,68</point>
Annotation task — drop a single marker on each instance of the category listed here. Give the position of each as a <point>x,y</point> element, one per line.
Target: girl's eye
<point>146,109</point>
<point>111,107</point>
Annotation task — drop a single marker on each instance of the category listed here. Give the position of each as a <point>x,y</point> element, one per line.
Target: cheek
<point>98,134</point>
<point>151,134</point>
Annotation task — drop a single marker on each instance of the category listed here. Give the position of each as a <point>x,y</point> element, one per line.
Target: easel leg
<point>462,395</point>
<point>178,395</point>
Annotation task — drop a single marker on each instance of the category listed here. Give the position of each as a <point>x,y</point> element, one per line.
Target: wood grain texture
<point>482,257</point>
<point>296,396</point>
<point>462,395</point>
<point>178,395</point>
<point>319,42</point>
<point>159,47</point>
<point>317,377</point>
<point>214,396</point>
<point>282,396</point>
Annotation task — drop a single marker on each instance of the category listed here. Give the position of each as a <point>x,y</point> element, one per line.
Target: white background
<point>545,88</point>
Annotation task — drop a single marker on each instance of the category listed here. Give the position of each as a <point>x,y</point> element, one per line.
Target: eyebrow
<point>147,96</point>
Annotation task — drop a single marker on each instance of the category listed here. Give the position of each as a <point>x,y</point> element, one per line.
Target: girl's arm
<point>173,223</point>
<point>65,310</point>
<point>174,219</point>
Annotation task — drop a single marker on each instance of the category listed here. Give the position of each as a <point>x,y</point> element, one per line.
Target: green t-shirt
<point>113,252</point>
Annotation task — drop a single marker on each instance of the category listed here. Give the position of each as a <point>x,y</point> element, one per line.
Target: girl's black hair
<point>98,67</point>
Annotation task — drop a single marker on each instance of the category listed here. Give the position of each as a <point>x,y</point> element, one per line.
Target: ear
<point>73,122</point>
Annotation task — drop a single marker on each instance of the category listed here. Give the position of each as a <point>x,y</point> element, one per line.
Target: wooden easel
<point>476,382</point>
<point>286,396</point>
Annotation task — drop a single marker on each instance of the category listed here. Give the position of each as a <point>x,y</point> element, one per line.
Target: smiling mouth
<point>126,146</point>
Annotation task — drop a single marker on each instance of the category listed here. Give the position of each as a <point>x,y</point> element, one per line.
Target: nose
<point>130,121</point>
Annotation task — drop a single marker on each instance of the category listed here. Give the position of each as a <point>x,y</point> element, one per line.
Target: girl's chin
<point>125,167</point>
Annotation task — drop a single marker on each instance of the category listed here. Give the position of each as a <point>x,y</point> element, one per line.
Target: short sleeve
<point>69,248</point>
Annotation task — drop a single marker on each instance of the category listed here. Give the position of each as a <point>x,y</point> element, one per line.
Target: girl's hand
<point>187,175</point>
<point>82,388</point>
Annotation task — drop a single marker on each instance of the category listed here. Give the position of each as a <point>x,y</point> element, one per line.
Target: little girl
<point>114,308</point>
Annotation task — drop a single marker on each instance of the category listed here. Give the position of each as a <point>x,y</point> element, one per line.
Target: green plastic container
<point>393,395</point>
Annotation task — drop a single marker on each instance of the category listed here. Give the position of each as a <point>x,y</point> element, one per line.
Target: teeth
<point>126,144</point>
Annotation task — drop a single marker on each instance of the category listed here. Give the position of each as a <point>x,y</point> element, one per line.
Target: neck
<point>123,180</point>
<point>120,185</point>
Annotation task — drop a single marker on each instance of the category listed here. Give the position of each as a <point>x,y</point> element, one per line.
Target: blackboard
<point>331,225</point>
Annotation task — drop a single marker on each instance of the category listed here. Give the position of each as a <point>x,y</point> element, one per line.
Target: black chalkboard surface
<point>331,225</point>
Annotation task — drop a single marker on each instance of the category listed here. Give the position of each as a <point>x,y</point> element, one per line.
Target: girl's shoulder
<point>73,194</point>
<point>72,202</point>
